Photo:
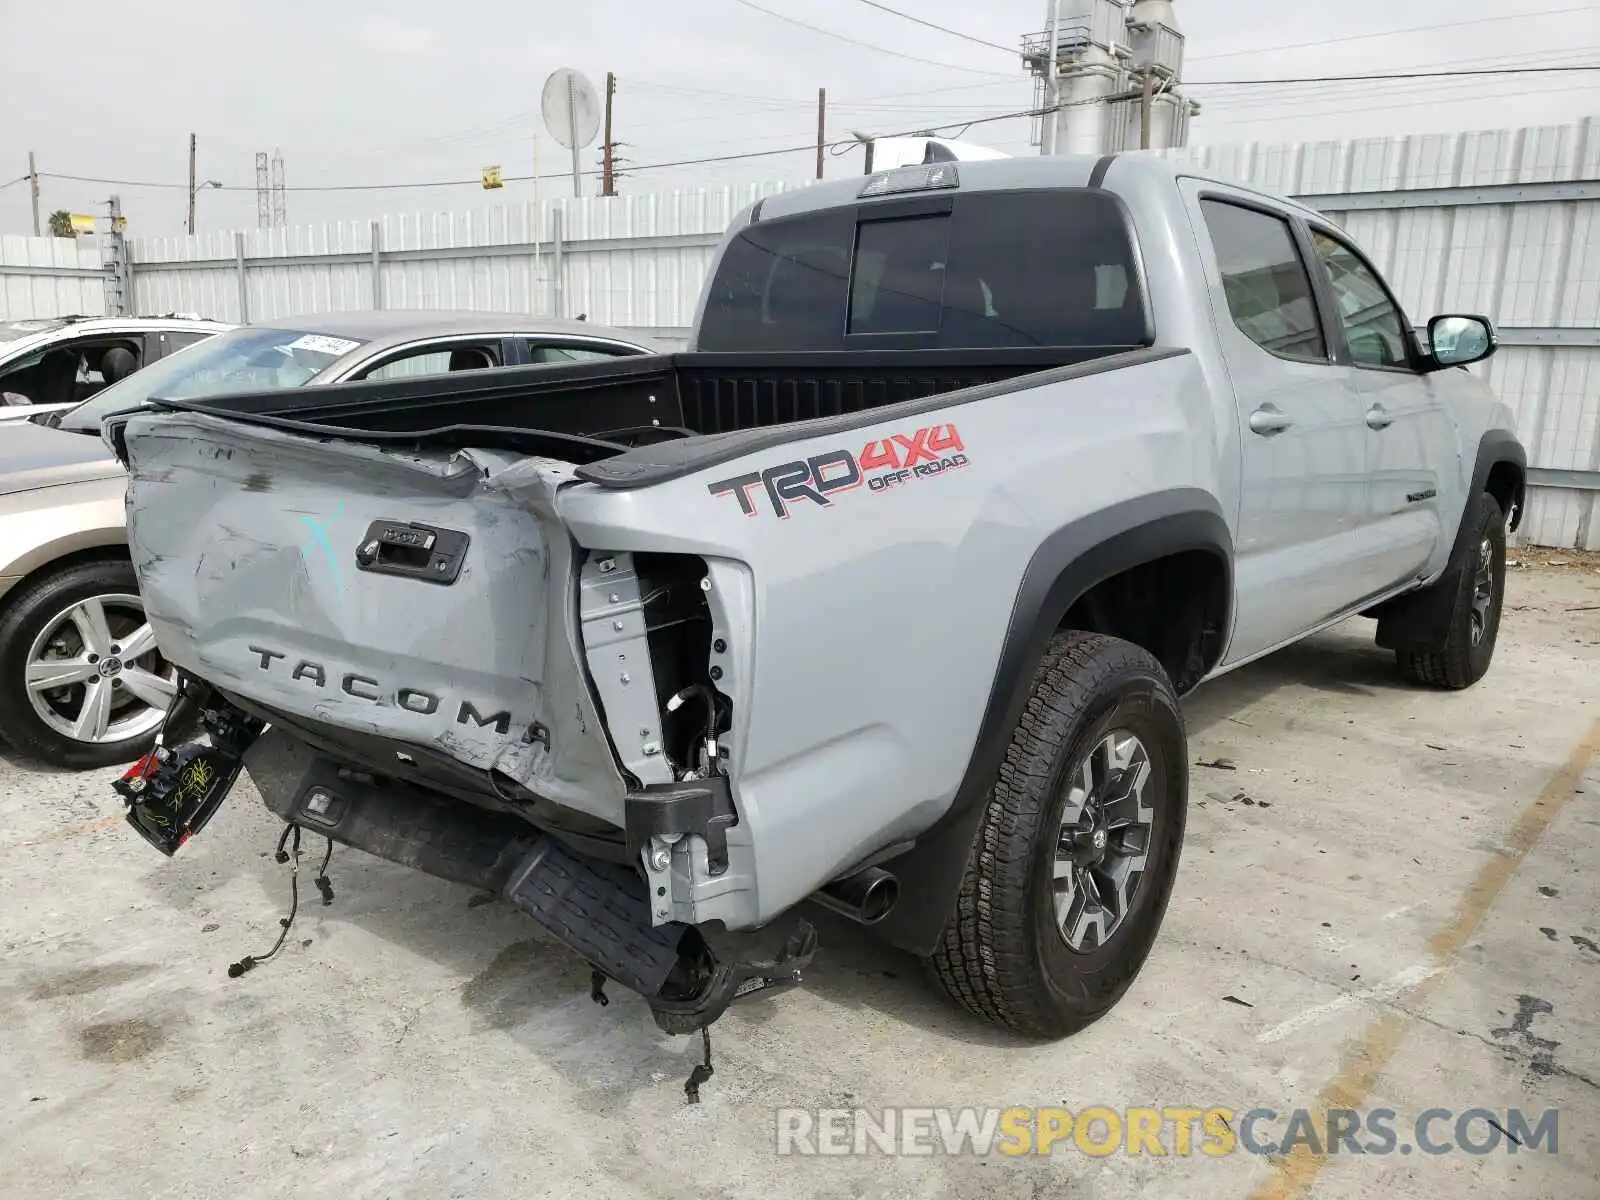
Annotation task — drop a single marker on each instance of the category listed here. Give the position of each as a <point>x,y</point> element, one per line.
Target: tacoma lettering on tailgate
<point>882,464</point>
<point>365,687</point>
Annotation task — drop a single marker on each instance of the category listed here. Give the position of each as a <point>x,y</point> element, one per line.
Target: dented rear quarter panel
<point>875,623</point>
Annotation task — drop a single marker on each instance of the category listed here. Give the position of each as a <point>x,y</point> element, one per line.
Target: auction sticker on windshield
<point>321,343</point>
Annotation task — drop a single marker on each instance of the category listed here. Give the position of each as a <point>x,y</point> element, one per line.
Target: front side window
<point>999,269</point>
<point>1266,283</point>
<point>1373,327</point>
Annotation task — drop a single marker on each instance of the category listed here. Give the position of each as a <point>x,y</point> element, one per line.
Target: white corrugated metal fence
<point>636,262</point>
<point>50,277</point>
<point>1505,223</point>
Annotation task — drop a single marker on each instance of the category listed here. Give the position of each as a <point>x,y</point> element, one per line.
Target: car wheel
<point>81,681</point>
<point>1072,868</point>
<point>1470,610</point>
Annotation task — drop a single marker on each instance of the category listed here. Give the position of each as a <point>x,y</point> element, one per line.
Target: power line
<point>1189,83</point>
<point>966,37</point>
<point>113,182</point>
<point>864,106</point>
<point>1367,37</point>
<point>672,89</point>
<point>810,146</point>
<point>1361,88</point>
<point>17,180</point>
<point>1003,81</point>
<point>864,45</point>
<point>1389,107</point>
<point>761,140</point>
<point>1020,80</point>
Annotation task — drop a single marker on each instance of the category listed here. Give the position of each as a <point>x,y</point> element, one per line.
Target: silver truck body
<point>863,625</point>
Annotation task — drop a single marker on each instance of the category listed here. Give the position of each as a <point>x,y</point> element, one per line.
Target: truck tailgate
<point>424,599</point>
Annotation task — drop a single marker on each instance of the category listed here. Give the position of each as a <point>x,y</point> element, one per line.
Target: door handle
<point>1377,418</point>
<point>1267,421</point>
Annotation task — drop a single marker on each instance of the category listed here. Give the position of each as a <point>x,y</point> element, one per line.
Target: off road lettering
<point>881,464</point>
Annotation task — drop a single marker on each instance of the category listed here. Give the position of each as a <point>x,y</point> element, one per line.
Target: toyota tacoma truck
<point>882,595</point>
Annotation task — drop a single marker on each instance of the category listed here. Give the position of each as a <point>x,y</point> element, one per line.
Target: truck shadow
<point>1340,662</point>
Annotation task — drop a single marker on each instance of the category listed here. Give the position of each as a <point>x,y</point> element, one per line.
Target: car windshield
<point>13,331</point>
<point>248,359</point>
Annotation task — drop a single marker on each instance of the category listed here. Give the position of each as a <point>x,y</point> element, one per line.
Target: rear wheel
<point>81,681</point>
<point>1074,863</point>
<point>1469,610</point>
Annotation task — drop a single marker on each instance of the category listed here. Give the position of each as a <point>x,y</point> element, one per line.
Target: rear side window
<point>1265,280</point>
<point>1049,268</point>
<point>552,355</point>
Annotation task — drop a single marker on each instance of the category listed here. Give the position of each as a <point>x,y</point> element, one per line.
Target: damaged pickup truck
<point>882,595</point>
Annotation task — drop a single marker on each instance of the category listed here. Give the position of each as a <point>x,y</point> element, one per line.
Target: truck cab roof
<point>1124,173</point>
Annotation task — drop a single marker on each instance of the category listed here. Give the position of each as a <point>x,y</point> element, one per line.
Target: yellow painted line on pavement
<point>1365,1059</point>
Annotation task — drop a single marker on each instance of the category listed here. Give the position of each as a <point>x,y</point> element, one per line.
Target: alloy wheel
<point>93,673</point>
<point>1104,841</point>
<point>1483,591</point>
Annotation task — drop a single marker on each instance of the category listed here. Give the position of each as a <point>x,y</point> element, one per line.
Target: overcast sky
<point>357,92</point>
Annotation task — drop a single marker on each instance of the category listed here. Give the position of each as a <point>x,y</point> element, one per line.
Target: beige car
<point>82,683</point>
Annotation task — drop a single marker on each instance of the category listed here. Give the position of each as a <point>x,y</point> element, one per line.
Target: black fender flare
<point>1415,619</point>
<point>1066,565</point>
<point>1495,448</point>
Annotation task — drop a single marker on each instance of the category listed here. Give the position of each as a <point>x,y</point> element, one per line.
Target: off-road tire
<point>1458,662</point>
<point>23,614</point>
<point>1001,955</point>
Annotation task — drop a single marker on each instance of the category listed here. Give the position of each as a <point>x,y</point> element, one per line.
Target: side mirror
<point>1455,341</point>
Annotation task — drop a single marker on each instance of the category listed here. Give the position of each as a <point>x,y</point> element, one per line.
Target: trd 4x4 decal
<point>881,465</point>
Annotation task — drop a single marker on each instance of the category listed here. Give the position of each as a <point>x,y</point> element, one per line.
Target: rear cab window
<point>886,276</point>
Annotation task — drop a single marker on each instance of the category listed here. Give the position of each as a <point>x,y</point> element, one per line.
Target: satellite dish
<point>571,109</point>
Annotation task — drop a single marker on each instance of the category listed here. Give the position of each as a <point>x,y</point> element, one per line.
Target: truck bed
<point>599,409</point>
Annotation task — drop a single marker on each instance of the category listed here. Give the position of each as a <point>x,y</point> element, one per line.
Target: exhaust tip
<point>865,897</point>
<point>879,898</point>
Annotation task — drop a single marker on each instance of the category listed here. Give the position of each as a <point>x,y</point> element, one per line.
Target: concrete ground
<point>1392,900</point>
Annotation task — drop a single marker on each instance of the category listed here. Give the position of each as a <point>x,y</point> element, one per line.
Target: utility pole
<point>114,258</point>
<point>572,136</point>
<point>1052,91</point>
<point>822,126</point>
<point>280,200</point>
<point>263,192</point>
<point>1144,110</point>
<point>33,186</point>
<point>191,185</point>
<point>609,180</point>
